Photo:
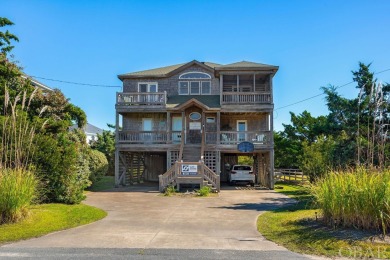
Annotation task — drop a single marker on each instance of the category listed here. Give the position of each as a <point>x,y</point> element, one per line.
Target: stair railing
<point>167,178</point>
<point>211,177</point>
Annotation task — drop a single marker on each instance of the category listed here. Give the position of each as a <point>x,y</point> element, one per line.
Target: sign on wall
<point>189,169</point>
<point>195,126</point>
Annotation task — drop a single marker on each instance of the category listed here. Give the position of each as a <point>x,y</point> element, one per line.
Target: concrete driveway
<point>139,217</point>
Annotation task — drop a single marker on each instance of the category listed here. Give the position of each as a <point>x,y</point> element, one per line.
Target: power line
<point>77,83</point>
<point>306,99</point>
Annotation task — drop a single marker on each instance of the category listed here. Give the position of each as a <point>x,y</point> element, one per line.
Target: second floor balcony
<point>226,138</point>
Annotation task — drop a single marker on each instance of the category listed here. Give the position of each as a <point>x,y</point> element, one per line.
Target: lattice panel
<point>174,157</point>
<point>210,159</point>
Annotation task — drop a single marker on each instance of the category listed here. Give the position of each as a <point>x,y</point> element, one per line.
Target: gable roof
<point>167,71</point>
<point>246,65</point>
<point>88,128</point>
<point>36,83</point>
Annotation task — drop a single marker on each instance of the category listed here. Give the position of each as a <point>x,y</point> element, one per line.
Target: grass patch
<point>295,227</point>
<point>204,191</point>
<point>105,183</point>
<point>47,218</point>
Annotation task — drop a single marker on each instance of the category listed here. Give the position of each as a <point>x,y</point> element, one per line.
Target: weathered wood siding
<point>171,84</point>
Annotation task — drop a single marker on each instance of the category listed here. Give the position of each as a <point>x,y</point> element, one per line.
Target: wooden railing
<point>226,137</point>
<point>236,137</point>
<point>142,137</point>
<point>289,175</point>
<point>141,99</point>
<point>200,172</point>
<point>167,178</point>
<point>211,177</point>
<point>246,98</point>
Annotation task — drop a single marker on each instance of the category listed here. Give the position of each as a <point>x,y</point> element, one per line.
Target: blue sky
<point>315,43</point>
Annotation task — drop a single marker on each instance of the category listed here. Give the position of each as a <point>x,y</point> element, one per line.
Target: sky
<point>314,43</point>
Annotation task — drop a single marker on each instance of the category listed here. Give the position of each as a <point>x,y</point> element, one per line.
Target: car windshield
<point>242,168</point>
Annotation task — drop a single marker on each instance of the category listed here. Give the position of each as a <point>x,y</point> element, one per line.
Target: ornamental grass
<point>357,198</point>
<point>17,191</point>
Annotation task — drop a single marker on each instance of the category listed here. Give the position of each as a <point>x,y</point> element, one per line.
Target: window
<point>183,88</point>
<point>195,75</point>
<point>147,87</point>
<point>195,116</point>
<point>195,87</point>
<point>206,88</point>
<point>210,120</point>
<point>195,83</point>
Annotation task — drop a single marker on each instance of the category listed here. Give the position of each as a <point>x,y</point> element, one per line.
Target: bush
<point>359,199</point>
<point>17,191</point>
<point>98,165</point>
<point>170,190</point>
<point>62,166</point>
<point>204,191</point>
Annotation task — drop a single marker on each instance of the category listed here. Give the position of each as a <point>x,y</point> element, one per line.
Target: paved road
<point>143,224</point>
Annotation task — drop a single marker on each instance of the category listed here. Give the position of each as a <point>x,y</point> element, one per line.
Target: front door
<point>177,125</point>
<point>241,129</point>
<point>147,127</point>
<point>194,126</point>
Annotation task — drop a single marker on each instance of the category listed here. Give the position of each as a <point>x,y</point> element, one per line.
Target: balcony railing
<point>246,98</point>
<point>175,137</point>
<point>141,99</point>
<point>236,137</point>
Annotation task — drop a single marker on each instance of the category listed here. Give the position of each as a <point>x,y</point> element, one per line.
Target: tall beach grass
<point>357,198</point>
<point>17,190</point>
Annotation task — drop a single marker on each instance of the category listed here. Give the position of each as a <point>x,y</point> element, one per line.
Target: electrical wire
<point>76,83</point>
<point>321,94</point>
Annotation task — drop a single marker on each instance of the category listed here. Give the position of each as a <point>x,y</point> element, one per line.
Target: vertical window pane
<point>183,88</point>
<point>206,87</point>
<point>195,88</point>
<point>152,88</point>
<point>143,87</point>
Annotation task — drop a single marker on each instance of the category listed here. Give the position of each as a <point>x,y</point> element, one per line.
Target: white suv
<point>241,173</point>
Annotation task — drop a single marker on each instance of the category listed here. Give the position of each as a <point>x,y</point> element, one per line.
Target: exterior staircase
<point>204,176</point>
<point>191,153</point>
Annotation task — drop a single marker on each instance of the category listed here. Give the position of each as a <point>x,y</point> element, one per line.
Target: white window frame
<point>188,88</point>
<point>148,87</point>
<point>201,88</point>
<point>181,76</point>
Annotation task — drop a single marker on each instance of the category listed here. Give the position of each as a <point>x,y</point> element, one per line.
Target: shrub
<point>170,190</point>
<point>204,191</point>
<point>359,199</point>
<point>98,165</point>
<point>17,190</point>
<point>65,172</point>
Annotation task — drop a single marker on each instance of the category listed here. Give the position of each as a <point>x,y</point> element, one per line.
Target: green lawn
<point>47,218</point>
<point>106,183</point>
<point>295,227</point>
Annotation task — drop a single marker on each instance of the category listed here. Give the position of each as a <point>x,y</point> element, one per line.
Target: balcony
<point>134,99</point>
<point>246,98</point>
<point>226,138</point>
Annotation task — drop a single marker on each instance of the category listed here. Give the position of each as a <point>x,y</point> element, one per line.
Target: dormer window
<point>194,83</point>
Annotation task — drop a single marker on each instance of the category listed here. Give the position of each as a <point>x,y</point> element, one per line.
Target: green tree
<point>106,144</point>
<point>6,37</point>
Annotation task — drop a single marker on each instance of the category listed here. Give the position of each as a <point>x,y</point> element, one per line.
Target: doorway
<point>241,129</point>
<point>177,125</point>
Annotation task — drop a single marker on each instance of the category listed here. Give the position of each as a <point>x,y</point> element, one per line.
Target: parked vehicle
<point>241,173</point>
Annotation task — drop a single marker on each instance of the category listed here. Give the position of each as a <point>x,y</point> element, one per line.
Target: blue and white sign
<point>189,169</point>
<point>245,147</point>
